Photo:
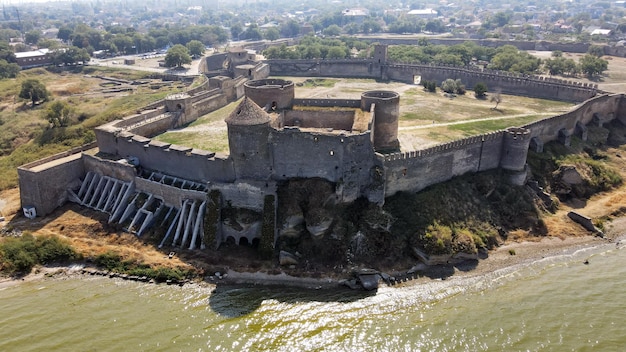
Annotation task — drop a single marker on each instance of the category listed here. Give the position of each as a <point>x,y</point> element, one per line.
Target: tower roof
<point>247,114</point>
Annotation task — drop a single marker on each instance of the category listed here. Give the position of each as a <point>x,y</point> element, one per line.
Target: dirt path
<point>408,128</point>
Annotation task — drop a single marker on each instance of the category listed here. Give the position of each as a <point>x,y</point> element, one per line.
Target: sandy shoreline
<point>498,259</point>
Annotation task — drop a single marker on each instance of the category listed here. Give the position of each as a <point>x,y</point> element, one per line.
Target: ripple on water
<point>556,303</point>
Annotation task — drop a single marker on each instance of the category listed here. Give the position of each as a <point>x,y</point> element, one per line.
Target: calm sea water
<point>557,304</point>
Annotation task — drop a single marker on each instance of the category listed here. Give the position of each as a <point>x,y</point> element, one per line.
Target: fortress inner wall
<point>178,161</point>
<point>325,68</point>
<point>117,169</point>
<point>333,120</point>
<point>338,158</point>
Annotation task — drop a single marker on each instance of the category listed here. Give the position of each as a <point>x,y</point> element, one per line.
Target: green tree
<point>196,48</point>
<point>124,43</point>
<point>59,114</point>
<point>336,52</point>
<point>509,58</point>
<point>453,86</point>
<point>332,30</point>
<point>64,33</point>
<point>32,37</point>
<point>235,30</point>
<point>480,90</point>
<point>6,53</point>
<point>178,55</point>
<point>596,50</point>
<point>271,34</point>
<point>34,91</point>
<point>8,69</point>
<point>290,29</point>
<point>592,65</point>
<point>252,32</point>
<point>71,56</point>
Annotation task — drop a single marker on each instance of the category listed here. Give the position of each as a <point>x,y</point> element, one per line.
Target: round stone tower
<point>515,148</point>
<point>386,114</point>
<point>248,133</point>
<point>271,94</point>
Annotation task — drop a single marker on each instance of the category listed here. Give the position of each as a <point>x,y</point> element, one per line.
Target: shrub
<point>430,86</point>
<point>113,262</point>
<point>438,239</point>
<point>21,254</point>
<point>480,90</point>
<point>453,86</point>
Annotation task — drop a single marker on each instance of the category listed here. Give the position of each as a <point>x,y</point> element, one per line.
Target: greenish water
<point>557,304</point>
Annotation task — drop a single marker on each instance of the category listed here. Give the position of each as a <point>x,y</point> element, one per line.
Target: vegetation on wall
<point>266,245</point>
<point>211,218</point>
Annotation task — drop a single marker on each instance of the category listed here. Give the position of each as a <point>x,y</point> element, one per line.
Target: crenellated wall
<point>505,82</point>
<point>416,170</point>
<point>606,106</point>
<point>496,81</point>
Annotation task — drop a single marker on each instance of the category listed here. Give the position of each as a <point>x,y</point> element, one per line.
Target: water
<point>557,304</point>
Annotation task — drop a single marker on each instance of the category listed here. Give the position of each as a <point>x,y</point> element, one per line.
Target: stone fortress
<point>274,138</point>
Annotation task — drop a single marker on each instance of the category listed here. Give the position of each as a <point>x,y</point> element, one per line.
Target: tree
<point>592,65</point>
<point>34,91</point>
<point>236,30</point>
<point>8,69</point>
<point>453,86</point>
<point>64,33</point>
<point>196,48</point>
<point>178,55</point>
<point>252,32</point>
<point>336,52</point>
<point>71,56</point>
<point>332,30</point>
<point>6,53</point>
<point>509,58</point>
<point>596,50</point>
<point>32,37</point>
<point>480,89</point>
<point>271,34</point>
<point>496,98</point>
<point>290,29</point>
<point>59,114</point>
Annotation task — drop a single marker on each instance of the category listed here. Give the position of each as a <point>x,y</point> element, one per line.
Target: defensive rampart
<point>496,81</point>
<point>605,107</point>
<point>416,170</point>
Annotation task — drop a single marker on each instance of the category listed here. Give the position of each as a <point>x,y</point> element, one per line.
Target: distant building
<point>423,13</point>
<point>601,32</point>
<point>355,14</point>
<point>28,59</point>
